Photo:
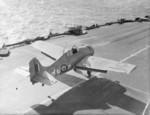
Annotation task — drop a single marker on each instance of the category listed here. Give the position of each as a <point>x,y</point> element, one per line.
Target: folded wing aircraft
<point>76,58</point>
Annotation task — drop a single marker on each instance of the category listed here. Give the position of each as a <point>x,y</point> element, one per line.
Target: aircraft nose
<point>91,50</point>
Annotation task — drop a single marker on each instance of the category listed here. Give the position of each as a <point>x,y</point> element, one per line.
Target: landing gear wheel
<point>42,84</point>
<point>89,74</point>
<point>75,69</point>
<point>33,82</point>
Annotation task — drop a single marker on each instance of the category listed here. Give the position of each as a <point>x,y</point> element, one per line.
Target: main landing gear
<point>88,73</point>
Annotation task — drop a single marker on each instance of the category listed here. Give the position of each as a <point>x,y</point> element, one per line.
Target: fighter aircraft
<point>75,58</point>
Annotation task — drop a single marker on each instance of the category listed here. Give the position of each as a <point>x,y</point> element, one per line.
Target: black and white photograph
<point>74,57</point>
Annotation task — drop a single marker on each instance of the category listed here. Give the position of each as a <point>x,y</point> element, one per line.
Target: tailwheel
<point>33,82</point>
<point>42,84</point>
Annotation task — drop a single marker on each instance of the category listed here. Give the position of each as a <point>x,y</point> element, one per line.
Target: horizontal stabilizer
<point>48,80</point>
<point>24,71</point>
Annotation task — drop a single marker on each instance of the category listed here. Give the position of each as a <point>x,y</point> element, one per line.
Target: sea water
<point>27,19</point>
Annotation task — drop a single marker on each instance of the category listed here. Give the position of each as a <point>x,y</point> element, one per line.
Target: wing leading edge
<point>98,63</point>
<point>50,50</point>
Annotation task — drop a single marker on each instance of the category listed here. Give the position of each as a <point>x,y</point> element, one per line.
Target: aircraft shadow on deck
<point>69,80</point>
<point>97,93</point>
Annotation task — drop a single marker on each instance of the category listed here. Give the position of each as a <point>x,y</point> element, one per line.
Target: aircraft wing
<point>97,63</point>
<point>50,50</point>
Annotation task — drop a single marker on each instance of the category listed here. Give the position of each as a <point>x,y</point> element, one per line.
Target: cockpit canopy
<point>72,51</point>
<point>69,53</point>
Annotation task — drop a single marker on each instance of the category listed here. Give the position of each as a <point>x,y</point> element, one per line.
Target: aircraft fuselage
<point>69,60</point>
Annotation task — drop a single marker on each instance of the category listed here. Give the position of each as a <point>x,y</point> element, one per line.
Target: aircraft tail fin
<point>38,73</point>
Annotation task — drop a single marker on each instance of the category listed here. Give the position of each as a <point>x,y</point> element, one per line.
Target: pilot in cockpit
<point>74,49</point>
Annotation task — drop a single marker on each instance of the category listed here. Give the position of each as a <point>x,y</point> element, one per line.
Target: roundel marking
<point>64,68</point>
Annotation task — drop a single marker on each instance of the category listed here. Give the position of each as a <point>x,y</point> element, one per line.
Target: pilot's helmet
<point>74,49</point>
<point>74,46</point>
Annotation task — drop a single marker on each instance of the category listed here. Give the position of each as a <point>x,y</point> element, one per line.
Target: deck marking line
<point>128,34</point>
<point>125,35</point>
<point>136,89</point>
<point>143,113</point>
<point>134,54</point>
